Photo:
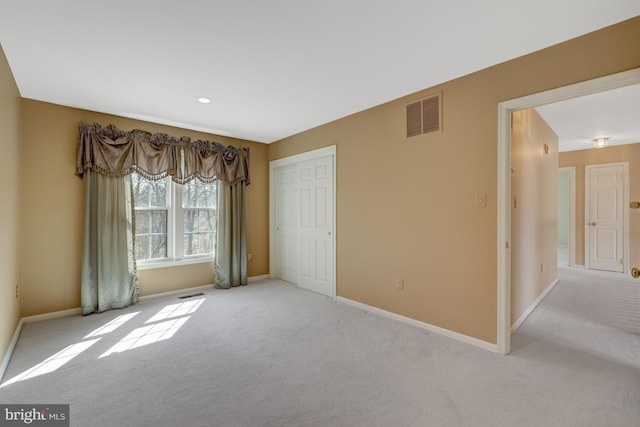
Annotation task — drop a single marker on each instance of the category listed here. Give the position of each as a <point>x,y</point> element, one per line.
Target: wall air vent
<point>424,116</point>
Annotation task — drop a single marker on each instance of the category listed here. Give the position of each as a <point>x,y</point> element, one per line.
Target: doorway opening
<point>505,109</point>
<point>566,216</point>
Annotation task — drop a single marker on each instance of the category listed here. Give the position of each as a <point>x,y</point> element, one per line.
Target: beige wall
<point>9,204</point>
<point>534,209</point>
<point>52,209</point>
<point>582,158</point>
<point>405,207</point>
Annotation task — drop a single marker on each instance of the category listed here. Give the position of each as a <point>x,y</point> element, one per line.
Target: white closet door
<point>315,198</point>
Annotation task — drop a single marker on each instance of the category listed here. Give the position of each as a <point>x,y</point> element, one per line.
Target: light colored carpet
<point>271,354</point>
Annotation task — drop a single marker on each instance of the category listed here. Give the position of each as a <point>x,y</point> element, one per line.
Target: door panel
<point>316,225</point>
<point>605,220</point>
<point>287,223</point>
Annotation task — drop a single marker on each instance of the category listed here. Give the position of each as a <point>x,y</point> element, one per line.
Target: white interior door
<point>605,220</point>
<point>286,218</point>
<point>302,206</point>
<point>316,225</point>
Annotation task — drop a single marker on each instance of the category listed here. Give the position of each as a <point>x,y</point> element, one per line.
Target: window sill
<point>142,265</point>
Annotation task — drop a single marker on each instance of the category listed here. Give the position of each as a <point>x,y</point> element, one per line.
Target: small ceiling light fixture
<point>601,142</point>
<point>204,100</point>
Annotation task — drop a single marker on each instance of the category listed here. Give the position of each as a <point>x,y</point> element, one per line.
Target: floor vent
<point>424,116</point>
<point>192,295</point>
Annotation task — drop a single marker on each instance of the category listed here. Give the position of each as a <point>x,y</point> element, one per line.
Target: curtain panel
<point>231,237</point>
<point>114,152</point>
<point>109,277</point>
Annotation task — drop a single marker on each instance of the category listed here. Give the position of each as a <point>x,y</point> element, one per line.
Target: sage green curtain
<point>109,278</point>
<point>231,236</point>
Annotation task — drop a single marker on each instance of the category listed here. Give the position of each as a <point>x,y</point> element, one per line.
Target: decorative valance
<point>114,152</point>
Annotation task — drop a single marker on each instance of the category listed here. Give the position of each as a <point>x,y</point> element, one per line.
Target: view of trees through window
<point>198,203</point>
<point>191,214</point>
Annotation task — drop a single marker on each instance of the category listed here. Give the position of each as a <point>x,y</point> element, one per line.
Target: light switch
<point>481,200</point>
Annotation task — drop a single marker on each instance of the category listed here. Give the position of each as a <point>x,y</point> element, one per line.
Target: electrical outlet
<point>399,284</point>
<point>541,267</point>
<point>250,257</point>
<point>17,291</point>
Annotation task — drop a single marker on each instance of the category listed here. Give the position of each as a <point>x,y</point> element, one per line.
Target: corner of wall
<point>10,222</point>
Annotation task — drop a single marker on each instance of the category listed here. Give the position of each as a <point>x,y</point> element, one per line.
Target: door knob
<point>592,224</point>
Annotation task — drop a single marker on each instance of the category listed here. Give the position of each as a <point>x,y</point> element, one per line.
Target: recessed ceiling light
<point>601,141</point>
<point>204,100</point>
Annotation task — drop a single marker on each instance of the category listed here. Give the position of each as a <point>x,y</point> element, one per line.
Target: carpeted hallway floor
<point>271,354</point>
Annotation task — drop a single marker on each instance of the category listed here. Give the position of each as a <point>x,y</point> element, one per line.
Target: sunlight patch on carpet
<point>54,362</point>
<point>177,310</point>
<point>147,335</point>
<point>112,325</point>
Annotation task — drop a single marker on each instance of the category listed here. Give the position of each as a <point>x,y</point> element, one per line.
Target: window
<point>174,223</point>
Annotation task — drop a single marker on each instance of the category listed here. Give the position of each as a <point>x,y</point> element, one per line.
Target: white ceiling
<point>271,68</point>
<point>614,114</point>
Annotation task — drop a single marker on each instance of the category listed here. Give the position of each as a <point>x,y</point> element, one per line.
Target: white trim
<point>503,338</point>
<point>431,328</point>
<point>505,108</point>
<point>150,265</point>
<point>572,213</point>
<point>625,213</point>
<point>30,319</point>
<point>533,306</point>
<point>291,160</point>
<point>258,278</point>
<point>52,315</point>
<point>607,275</point>
<point>9,352</point>
<point>185,291</point>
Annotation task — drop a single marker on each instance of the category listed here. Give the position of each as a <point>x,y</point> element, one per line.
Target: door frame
<point>625,214</point>
<point>572,213</point>
<point>292,160</point>
<point>505,108</point>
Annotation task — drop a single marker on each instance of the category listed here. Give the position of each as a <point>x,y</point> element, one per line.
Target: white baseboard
<point>185,291</point>
<point>29,319</point>
<point>533,306</point>
<point>52,315</point>
<point>431,328</point>
<point>9,352</point>
<point>608,275</point>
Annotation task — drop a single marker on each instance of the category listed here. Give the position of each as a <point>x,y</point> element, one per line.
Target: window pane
<point>190,244</point>
<point>142,222</point>
<point>140,191</point>
<point>158,194</point>
<point>198,195</point>
<point>206,243</point>
<point>207,196</point>
<point>190,220</point>
<point>159,222</point>
<point>189,195</point>
<point>198,244</point>
<point>149,193</point>
<point>142,247</point>
<point>205,220</point>
<point>158,246</point>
